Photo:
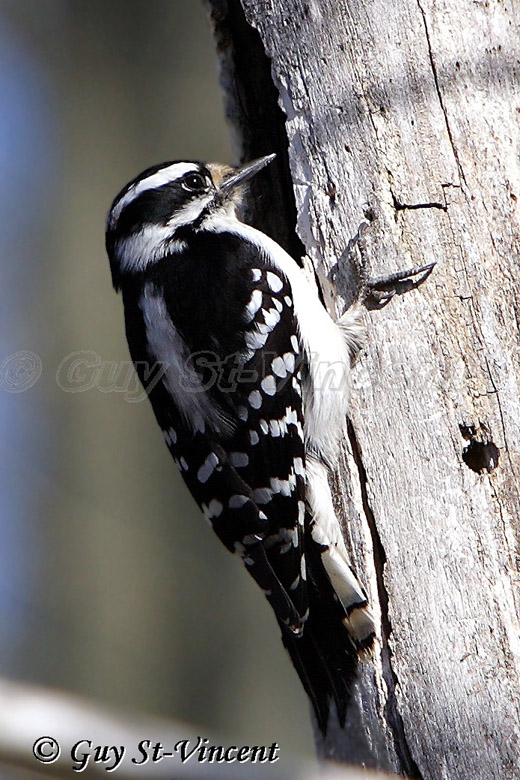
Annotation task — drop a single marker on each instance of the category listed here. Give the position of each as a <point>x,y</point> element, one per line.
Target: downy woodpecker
<point>252,399</point>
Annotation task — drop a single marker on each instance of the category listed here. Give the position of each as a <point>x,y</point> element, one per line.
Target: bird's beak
<point>245,172</point>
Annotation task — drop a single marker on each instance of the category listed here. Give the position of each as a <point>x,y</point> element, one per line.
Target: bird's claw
<point>382,289</point>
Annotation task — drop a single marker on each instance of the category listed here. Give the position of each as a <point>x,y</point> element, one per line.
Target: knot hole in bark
<point>480,454</point>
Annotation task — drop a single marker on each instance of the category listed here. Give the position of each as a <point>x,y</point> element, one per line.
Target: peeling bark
<point>406,115</point>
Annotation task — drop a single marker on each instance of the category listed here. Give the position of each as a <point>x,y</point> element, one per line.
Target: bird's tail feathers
<point>326,655</point>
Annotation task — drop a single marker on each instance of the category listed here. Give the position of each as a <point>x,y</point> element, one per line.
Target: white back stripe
<point>166,345</point>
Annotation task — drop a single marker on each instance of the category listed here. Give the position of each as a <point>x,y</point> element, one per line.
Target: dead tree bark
<point>406,115</point>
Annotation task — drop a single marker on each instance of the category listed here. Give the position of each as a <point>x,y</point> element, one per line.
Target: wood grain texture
<point>406,115</point>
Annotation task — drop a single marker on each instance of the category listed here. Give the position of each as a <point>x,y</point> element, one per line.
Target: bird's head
<point>154,214</point>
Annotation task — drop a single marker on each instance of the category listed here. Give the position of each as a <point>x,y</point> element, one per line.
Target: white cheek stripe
<point>157,179</point>
<point>147,246</point>
<point>189,213</point>
<point>153,242</point>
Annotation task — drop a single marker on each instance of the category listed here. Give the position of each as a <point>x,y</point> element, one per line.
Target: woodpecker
<point>252,399</point>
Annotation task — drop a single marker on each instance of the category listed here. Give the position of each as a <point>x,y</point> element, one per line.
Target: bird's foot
<point>381,290</point>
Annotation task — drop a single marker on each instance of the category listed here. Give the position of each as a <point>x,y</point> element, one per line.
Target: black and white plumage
<point>251,401</point>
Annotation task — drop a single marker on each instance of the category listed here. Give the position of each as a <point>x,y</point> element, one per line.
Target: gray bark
<point>406,115</point>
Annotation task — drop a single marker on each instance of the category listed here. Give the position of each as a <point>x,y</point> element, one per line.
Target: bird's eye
<point>194,182</point>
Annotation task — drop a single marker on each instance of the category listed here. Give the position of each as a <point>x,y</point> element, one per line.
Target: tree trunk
<point>406,115</point>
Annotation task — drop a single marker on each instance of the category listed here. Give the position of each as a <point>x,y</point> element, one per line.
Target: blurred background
<point>111,583</point>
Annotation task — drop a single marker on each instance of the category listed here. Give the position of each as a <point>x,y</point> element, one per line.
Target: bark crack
<point>501,415</point>
<point>392,714</point>
<point>398,206</point>
<point>259,123</point>
<point>439,93</point>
